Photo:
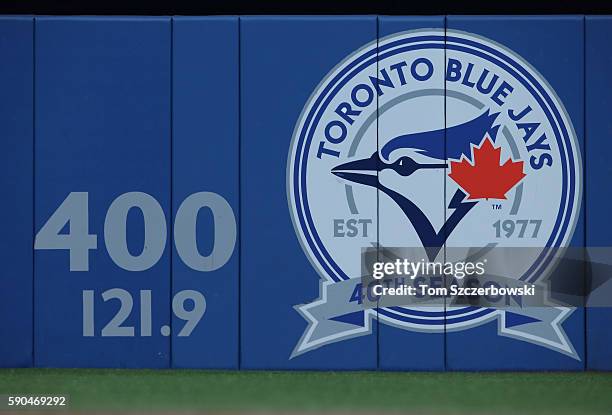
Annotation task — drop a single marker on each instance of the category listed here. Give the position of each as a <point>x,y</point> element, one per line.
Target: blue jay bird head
<point>459,140</point>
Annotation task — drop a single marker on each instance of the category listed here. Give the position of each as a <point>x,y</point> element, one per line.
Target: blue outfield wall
<point>16,177</point>
<point>282,61</point>
<point>102,140</point>
<point>196,192</point>
<point>401,349</point>
<point>554,46</point>
<point>598,128</point>
<point>205,108</point>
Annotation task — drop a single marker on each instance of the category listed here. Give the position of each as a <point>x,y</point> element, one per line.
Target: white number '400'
<point>74,212</point>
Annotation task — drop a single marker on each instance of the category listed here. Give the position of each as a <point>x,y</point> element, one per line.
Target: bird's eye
<point>402,161</point>
<point>405,166</point>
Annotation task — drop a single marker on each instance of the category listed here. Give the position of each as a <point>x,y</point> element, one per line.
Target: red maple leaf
<point>486,178</point>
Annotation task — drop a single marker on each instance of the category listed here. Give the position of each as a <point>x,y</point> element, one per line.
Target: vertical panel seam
<point>377,191</point>
<point>171,222</point>
<point>33,190</point>
<point>445,366</point>
<point>239,244</point>
<point>584,183</point>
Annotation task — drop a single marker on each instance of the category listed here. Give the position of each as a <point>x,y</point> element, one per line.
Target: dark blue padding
<point>553,45</point>
<point>102,127</point>
<point>16,182</point>
<point>282,61</point>
<point>205,159</point>
<point>400,349</point>
<point>598,175</point>
<point>175,106</point>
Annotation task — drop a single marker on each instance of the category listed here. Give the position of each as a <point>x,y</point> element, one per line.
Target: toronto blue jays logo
<point>431,139</point>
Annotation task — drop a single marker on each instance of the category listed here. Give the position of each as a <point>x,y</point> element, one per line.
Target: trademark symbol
<point>496,206</point>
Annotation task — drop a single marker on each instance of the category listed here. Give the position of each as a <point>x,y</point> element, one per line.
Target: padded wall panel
<point>283,59</point>
<point>103,132</point>
<point>205,186</point>
<point>16,182</point>
<point>532,124</point>
<point>598,172</point>
<point>411,338</point>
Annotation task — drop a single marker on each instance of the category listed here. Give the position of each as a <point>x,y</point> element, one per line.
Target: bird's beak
<point>360,171</point>
<point>371,164</point>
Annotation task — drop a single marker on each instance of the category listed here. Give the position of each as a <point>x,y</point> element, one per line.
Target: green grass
<point>435,393</point>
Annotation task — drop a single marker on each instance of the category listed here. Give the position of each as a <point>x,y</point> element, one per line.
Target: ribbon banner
<point>434,300</point>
